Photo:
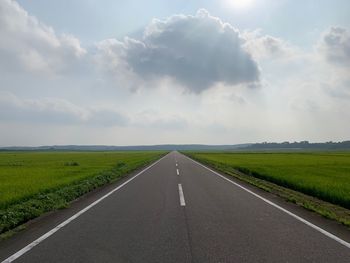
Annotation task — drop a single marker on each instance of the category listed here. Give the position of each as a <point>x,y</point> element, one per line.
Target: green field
<point>32,183</point>
<point>322,175</point>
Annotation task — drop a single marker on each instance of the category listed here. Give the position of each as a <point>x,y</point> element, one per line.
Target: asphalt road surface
<point>180,211</point>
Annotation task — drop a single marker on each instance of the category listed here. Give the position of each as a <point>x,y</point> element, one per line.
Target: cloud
<point>155,119</point>
<point>266,46</point>
<point>62,112</point>
<point>335,46</point>
<point>194,51</point>
<point>30,45</point>
<point>107,118</point>
<point>13,108</point>
<point>56,111</point>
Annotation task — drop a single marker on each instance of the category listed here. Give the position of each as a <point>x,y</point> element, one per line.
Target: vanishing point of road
<point>177,210</point>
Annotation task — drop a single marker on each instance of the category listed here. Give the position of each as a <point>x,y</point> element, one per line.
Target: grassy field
<point>322,175</point>
<point>32,183</point>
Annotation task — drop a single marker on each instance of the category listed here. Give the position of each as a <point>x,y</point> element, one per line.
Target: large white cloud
<point>27,44</point>
<point>194,51</point>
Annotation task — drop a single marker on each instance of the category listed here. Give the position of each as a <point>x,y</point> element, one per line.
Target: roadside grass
<point>32,183</point>
<point>317,181</point>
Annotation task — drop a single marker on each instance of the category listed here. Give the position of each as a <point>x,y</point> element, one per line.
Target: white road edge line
<point>317,228</point>
<point>181,194</point>
<point>177,172</point>
<point>66,222</point>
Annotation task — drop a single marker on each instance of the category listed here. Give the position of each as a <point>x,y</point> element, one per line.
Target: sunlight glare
<point>240,4</point>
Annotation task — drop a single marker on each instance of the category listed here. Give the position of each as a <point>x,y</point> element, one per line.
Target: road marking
<point>66,222</point>
<point>181,194</point>
<point>317,228</point>
<point>176,164</point>
<point>177,171</point>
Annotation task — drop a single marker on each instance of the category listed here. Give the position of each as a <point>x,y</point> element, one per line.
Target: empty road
<point>179,211</point>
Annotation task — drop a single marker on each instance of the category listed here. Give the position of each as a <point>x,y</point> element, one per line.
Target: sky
<point>157,72</point>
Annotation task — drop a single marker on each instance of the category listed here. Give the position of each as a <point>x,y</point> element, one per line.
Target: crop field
<point>32,183</point>
<point>322,175</point>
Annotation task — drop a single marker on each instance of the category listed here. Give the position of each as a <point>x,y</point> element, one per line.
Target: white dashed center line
<point>181,194</point>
